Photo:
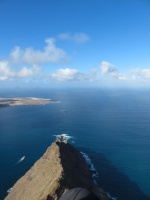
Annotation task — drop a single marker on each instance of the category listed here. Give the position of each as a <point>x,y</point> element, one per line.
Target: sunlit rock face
<point>61,168</point>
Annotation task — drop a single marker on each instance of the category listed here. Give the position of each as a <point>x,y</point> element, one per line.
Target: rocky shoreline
<point>61,168</point>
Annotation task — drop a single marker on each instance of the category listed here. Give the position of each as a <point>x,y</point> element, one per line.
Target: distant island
<point>24,101</point>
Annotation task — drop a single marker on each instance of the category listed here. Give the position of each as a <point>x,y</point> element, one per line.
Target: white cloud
<point>25,72</point>
<point>108,70</point>
<point>67,74</point>
<point>76,38</point>
<point>51,54</point>
<point>7,73</point>
<point>143,74</point>
<point>122,78</point>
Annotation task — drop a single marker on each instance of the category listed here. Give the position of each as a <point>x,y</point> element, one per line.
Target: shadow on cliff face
<point>76,172</point>
<point>113,181</point>
<point>74,166</point>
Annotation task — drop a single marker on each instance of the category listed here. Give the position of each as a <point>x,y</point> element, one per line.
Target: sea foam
<point>111,197</point>
<point>91,166</point>
<point>66,136</point>
<point>95,174</point>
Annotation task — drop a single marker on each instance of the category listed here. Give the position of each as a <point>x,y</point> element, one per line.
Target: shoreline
<point>61,168</point>
<point>20,101</point>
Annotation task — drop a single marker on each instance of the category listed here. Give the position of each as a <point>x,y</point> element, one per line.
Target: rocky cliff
<point>61,168</point>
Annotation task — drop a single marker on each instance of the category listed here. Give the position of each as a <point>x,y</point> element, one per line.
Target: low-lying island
<point>24,101</point>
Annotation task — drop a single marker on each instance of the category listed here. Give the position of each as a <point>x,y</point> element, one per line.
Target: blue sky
<point>81,42</point>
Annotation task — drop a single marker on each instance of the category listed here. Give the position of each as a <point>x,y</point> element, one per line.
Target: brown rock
<point>61,168</point>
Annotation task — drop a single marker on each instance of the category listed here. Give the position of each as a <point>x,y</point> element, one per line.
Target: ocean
<point>111,126</point>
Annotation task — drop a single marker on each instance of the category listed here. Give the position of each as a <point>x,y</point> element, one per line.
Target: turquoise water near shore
<point>111,125</point>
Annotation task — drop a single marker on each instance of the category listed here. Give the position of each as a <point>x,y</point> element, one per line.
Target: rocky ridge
<point>60,169</point>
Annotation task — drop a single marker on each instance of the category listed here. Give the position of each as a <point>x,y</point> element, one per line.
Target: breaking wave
<point>9,190</point>
<point>111,197</point>
<point>95,174</point>
<point>67,137</point>
<point>91,166</point>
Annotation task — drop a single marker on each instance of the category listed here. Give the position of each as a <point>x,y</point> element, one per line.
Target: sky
<point>74,42</point>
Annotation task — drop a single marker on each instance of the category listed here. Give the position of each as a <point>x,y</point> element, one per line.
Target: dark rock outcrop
<point>61,168</point>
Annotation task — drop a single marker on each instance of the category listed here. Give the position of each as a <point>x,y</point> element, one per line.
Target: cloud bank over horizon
<point>30,63</point>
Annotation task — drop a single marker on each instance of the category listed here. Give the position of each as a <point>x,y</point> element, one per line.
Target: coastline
<point>24,101</point>
<point>61,168</point>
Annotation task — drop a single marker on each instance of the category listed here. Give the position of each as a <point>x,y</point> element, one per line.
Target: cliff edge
<point>60,169</point>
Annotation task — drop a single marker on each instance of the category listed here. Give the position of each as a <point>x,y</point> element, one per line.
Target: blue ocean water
<point>112,126</point>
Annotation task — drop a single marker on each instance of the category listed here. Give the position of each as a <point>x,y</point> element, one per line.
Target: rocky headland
<point>61,168</point>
